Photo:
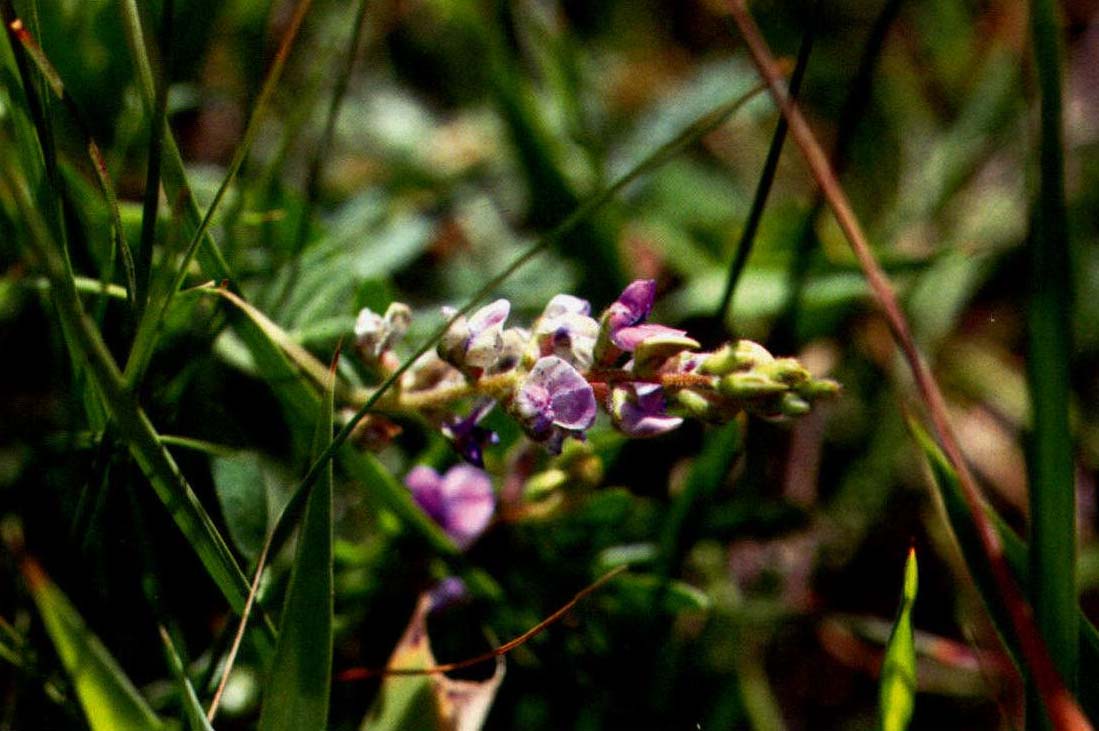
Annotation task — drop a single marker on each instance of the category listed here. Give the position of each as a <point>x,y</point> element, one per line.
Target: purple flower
<point>623,326</point>
<point>639,410</point>
<point>632,306</point>
<point>566,330</point>
<point>475,343</point>
<point>628,338</point>
<point>461,501</point>
<point>468,437</point>
<point>450,590</point>
<point>554,401</point>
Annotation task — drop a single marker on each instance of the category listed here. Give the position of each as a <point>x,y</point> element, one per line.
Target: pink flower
<point>461,501</point>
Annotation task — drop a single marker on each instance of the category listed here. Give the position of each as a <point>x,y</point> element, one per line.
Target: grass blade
<point>110,701</point>
<point>159,123</point>
<point>767,176</point>
<point>1049,345</point>
<point>153,316</point>
<point>1058,700</point>
<point>87,345</point>
<point>1015,553</point>
<point>95,154</point>
<point>196,717</point>
<point>300,681</point>
<point>897,694</point>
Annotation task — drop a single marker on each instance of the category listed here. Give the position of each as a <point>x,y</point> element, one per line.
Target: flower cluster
<point>554,377</point>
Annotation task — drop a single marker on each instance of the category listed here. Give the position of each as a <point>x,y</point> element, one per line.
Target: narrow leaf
<point>192,708</point>
<point>87,345</point>
<point>110,701</point>
<point>897,693</point>
<point>1017,557</point>
<point>300,679</point>
<point>1052,566</point>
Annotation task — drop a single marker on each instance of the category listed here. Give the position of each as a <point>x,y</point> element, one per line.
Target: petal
<point>639,410</point>
<point>628,338</point>
<point>566,304</point>
<point>489,316</point>
<point>638,298</point>
<point>426,487</point>
<point>470,503</point>
<point>571,397</point>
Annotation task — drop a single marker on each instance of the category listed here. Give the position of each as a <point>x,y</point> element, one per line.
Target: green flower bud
<point>749,385</point>
<point>818,388</point>
<point>694,404</point>
<point>651,353</point>
<point>743,355</point>
<point>794,405</point>
<point>786,370</point>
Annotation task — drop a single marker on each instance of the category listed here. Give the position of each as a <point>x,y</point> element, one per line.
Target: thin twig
<point>1061,706</point>
<point>364,673</point>
<point>231,658</point>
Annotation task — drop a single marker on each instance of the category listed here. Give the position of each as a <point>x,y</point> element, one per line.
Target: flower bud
<point>651,353</point>
<point>749,385</point>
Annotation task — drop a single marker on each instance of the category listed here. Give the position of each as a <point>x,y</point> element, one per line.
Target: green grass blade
<point>767,176</point>
<point>158,124</point>
<point>300,679</point>
<point>87,345</point>
<point>192,708</point>
<point>1049,344</point>
<point>95,156</point>
<point>110,701</point>
<point>153,316</point>
<point>897,693</point>
<point>1016,555</point>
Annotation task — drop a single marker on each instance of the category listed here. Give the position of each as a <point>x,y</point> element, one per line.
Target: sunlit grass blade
<point>108,697</point>
<point>192,708</point>
<point>1016,554</point>
<point>300,678</point>
<point>86,343</point>
<point>897,692</point>
<point>1052,529</point>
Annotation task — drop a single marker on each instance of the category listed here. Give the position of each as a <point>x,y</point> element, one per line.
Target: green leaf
<point>110,701</point>
<point>242,491</point>
<point>897,693</point>
<point>192,708</point>
<point>300,680</point>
